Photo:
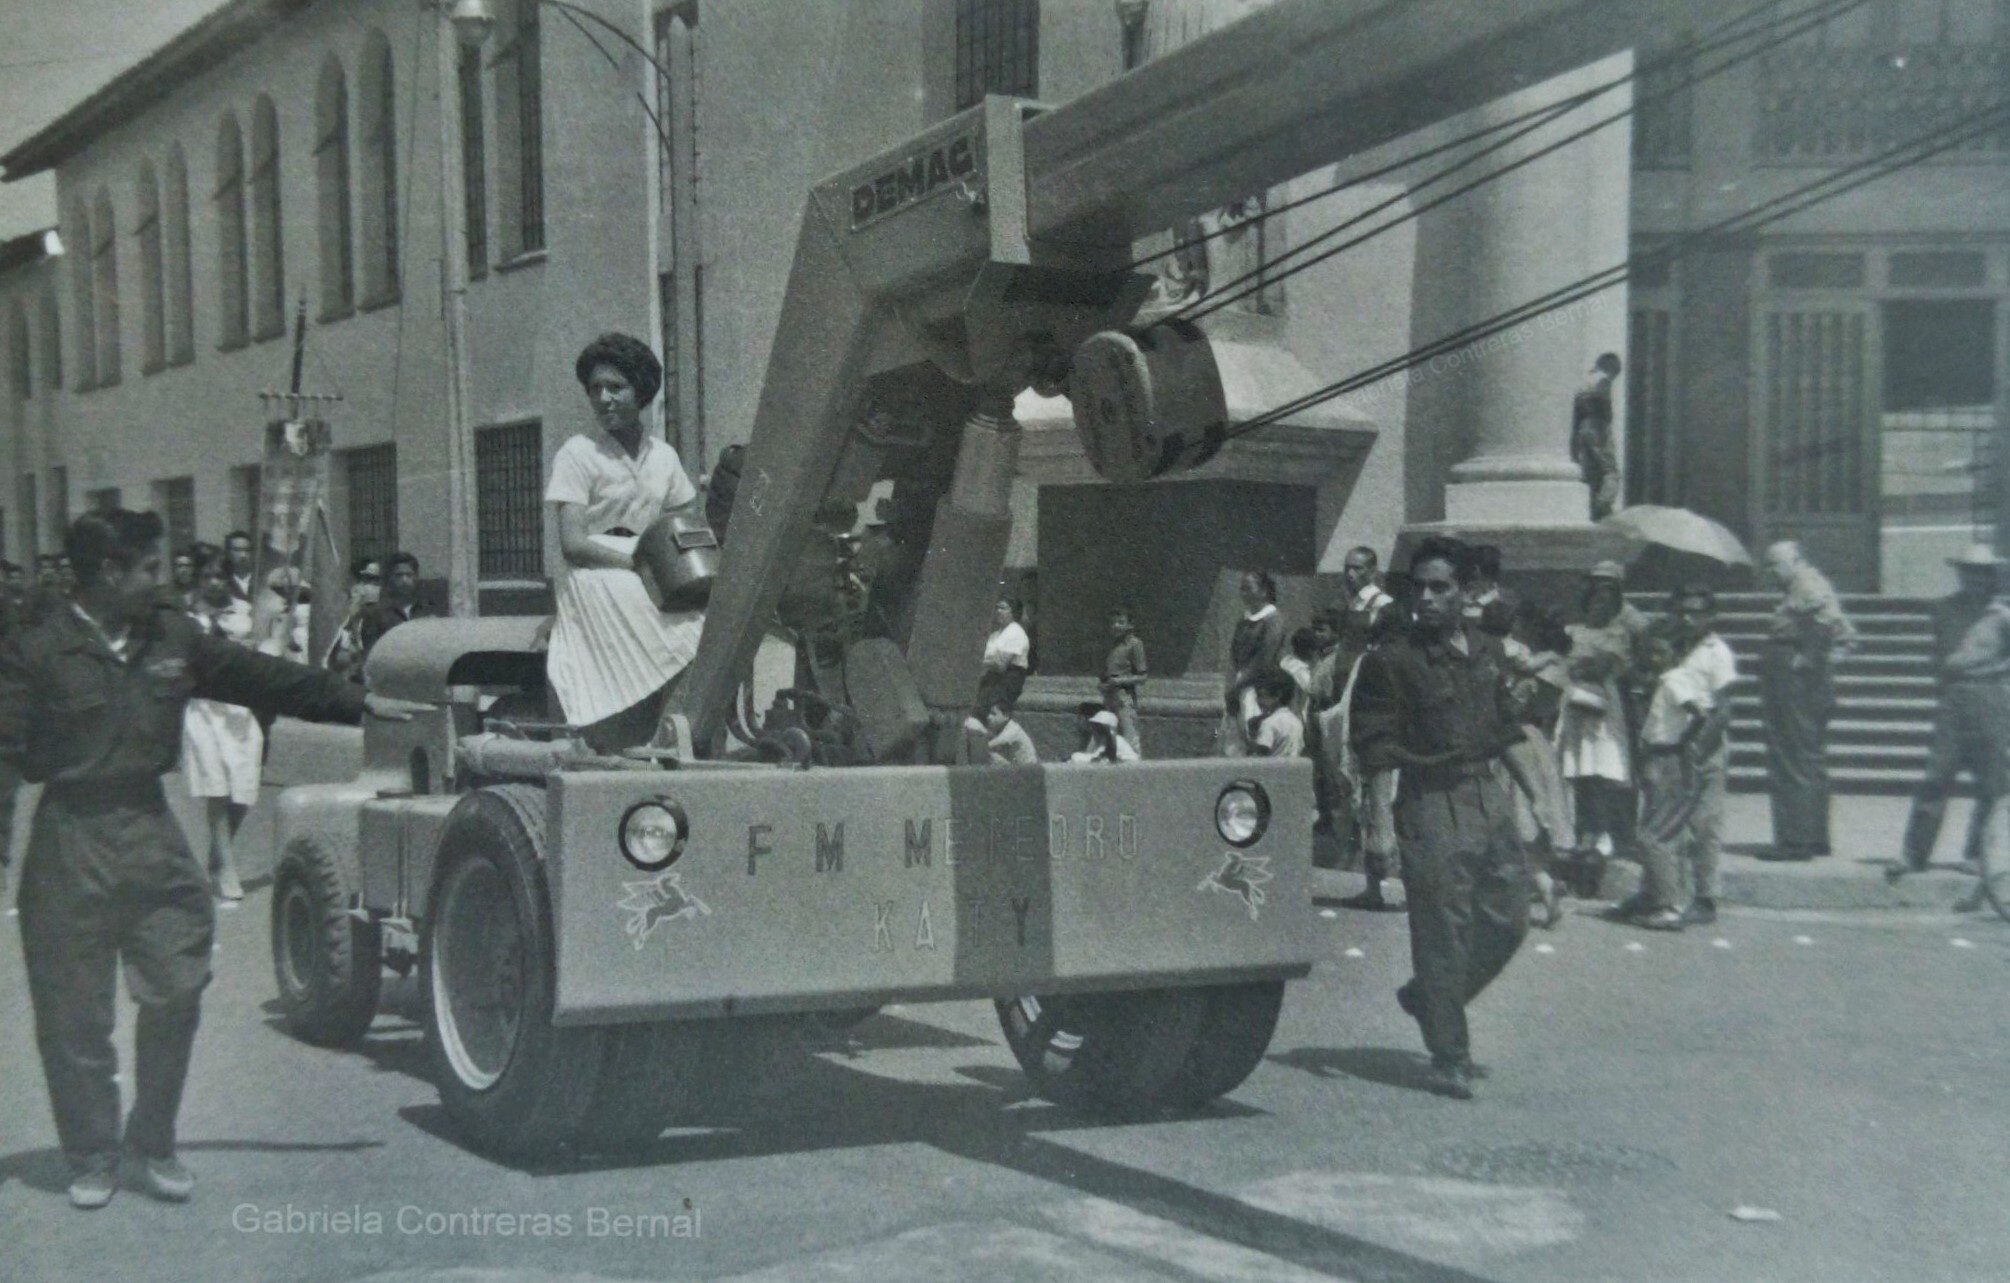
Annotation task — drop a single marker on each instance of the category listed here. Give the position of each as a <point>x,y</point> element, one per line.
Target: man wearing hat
<point>1969,725</point>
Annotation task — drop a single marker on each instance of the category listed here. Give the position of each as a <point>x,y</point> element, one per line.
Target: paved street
<point>1841,1070</point>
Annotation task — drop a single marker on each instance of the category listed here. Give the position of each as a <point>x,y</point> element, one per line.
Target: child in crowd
<point>1276,730</point>
<point>1539,678</point>
<point>1124,677</point>
<point>993,736</point>
<point>1101,741</point>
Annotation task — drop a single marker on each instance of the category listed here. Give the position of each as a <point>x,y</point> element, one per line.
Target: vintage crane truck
<point>597,937</point>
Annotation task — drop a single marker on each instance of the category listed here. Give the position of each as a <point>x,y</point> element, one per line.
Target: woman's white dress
<point>221,744</point>
<point>611,648</point>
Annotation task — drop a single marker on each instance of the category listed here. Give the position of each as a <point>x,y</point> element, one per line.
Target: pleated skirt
<point>611,647</point>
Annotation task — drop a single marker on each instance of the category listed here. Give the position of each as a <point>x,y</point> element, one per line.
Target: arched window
<point>105,279</point>
<point>233,290</point>
<point>179,311</point>
<point>77,235</point>
<point>520,128</point>
<point>331,170</point>
<point>268,250</point>
<point>52,341</point>
<point>377,130</point>
<point>153,304</point>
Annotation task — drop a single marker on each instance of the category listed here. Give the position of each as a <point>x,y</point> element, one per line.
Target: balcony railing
<point>1826,105</point>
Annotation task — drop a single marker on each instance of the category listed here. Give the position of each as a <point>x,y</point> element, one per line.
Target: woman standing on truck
<point>613,652</point>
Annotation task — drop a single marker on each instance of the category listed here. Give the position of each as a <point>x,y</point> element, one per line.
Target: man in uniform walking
<point>1433,702</point>
<point>91,703</point>
<point>1971,723</point>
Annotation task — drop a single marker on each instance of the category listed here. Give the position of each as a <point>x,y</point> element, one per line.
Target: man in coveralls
<point>1433,702</point>
<point>91,702</point>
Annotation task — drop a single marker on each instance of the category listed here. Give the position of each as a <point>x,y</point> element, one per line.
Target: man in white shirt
<point>1682,759</point>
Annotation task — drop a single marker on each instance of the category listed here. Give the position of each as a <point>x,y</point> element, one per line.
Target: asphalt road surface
<point>1845,1073</point>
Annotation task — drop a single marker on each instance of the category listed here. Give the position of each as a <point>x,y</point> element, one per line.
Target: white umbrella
<point>1680,530</point>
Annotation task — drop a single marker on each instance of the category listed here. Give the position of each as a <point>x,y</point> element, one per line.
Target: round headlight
<point>653,833</point>
<point>1242,813</point>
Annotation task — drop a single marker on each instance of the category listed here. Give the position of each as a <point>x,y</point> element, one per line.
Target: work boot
<point>91,1190</point>
<point>1454,1080</point>
<point>1702,911</point>
<point>161,1178</point>
<point>1370,899</point>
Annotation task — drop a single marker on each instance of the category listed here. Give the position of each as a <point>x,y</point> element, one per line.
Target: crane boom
<point>992,244</point>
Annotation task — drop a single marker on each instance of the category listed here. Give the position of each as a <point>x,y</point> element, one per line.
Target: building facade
<point>290,154</point>
<point>1840,377</point>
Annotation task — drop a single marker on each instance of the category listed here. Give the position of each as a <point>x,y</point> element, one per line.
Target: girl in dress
<point>613,652</point>
<point>222,744</point>
<point>1253,650</point>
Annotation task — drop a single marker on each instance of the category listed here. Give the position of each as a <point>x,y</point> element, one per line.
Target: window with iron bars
<point>372,474</point>
<point>997,49</point>
<point>177,507</point>
<point>509,508</point>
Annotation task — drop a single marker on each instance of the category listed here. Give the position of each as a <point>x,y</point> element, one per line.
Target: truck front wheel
<point>325,962</point>
<point>1118,1054</point>
<point>511,1080</point>
<point>1235,1031</point>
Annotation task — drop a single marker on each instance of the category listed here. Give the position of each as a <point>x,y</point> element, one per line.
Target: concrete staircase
<point>1884,694</point>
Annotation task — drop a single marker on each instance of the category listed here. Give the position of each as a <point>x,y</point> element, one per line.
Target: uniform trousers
<point>1467,890</point>
<point>1681,819</point>
<point>109,879</point>
<point>1971,732</point>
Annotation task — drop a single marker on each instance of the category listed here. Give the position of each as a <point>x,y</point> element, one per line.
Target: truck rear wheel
<point>509,1078</point>
<point>325,963</point>
<point>1118,1054</point>
<point>1235,1031</point>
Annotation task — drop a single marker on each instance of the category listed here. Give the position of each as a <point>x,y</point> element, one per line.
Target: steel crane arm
<point>1000,238</point>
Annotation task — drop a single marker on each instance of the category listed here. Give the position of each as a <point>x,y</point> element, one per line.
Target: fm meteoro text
<point>941,839</point>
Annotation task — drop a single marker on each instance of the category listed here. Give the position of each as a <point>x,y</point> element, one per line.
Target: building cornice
<point>209,41</point>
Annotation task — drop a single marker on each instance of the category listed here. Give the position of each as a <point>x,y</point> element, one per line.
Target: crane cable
<point>1722,35</point>
<point>1269,274</point>
<point>1837,183</point>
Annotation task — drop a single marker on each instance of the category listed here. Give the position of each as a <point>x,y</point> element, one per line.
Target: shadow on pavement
<point>1386,1065</point>
<point>47,1170</point>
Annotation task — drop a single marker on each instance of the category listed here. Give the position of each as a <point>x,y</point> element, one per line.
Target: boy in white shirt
<point>1277,731</point>
<point>1683,753</point>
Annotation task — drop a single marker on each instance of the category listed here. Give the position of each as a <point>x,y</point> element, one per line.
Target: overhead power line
<point>1893,160</point>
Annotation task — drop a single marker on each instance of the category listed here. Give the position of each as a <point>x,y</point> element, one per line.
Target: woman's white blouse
<point>593,471</point>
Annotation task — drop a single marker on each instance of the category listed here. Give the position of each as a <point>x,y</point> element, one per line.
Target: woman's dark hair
<point>1088,708</point>
<point>1304,644</point>
<point>1012,604</point>
<point>627,354</point>
<point>1278,685</point>
<point>1266,584</point>
<point>398,559</point>
<point>117,535</point>
<point>206,555</point>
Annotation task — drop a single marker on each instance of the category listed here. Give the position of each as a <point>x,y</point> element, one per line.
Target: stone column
<point>1489,424</point>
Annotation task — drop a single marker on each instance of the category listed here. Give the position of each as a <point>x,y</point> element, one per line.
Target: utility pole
<point>463,568</point>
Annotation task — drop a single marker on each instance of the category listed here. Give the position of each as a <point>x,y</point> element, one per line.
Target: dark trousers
<point>1797,703</point>
<point>111,880</point>
<point>1467,890</point>
<point>1971,732</point>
